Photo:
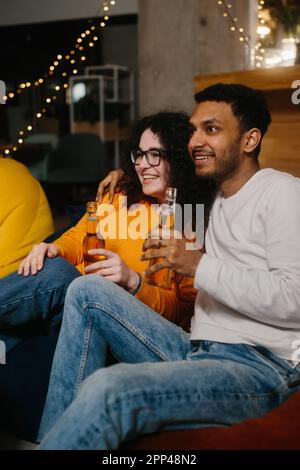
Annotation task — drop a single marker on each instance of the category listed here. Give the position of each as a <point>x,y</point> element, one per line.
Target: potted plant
<point>287,13</point>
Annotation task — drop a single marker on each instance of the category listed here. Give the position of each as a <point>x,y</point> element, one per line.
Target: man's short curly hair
<point>173,131</point>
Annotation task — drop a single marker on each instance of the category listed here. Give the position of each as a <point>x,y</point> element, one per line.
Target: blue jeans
<point>168,382</point>
<point>34,304</point>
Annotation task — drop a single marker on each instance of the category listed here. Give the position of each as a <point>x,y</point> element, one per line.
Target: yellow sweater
<point>175,303</point>
<point>25,217</point>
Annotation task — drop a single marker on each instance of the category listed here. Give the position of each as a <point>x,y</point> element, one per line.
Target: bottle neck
<point>91,224</point>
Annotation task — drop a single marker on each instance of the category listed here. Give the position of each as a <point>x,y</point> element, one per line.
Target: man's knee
<point>110,382</point>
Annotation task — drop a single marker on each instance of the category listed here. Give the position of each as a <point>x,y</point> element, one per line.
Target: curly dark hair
<point>248,105</point>
<point>173,130</point>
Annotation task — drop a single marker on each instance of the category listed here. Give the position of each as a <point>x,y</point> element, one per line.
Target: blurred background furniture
<point>102,102</point>
<point>75,168</point>
<point>37,147</point>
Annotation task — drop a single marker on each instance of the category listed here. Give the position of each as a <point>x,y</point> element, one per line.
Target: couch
<point>277,430</point>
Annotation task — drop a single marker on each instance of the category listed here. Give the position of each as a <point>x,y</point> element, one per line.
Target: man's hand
<point>34,261</point>
<point>175,253</point>
<point>110,183</point>
<point>113,268</point>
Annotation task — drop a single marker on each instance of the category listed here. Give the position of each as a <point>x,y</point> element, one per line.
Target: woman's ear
<point>252,139</point>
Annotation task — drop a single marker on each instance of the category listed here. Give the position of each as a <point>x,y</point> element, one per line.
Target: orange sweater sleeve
<point>176,304</point>
<point>71,243</point>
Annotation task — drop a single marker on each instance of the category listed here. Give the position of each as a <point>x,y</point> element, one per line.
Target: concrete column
<point>179,39</point>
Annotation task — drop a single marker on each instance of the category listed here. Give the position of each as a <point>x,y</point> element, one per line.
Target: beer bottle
<point>162,278</point>
<point>92,240</point>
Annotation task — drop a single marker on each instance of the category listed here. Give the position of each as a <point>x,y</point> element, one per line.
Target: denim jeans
<point>34,303</point>
<point>166,382</point>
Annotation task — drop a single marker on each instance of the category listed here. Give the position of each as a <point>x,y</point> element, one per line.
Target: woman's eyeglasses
<point>153,156</point>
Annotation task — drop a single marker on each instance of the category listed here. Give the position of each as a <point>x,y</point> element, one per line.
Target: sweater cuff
<point>206,274</point>
<point>137,288</point>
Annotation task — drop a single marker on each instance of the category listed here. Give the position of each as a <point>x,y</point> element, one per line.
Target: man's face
<point>215,143</point>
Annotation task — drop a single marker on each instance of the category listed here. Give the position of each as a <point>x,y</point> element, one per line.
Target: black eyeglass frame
<point>145,153</point>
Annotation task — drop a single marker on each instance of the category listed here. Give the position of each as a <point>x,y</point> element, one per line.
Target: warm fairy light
<point>6,152</point>
<point>60,57</point>
<point>227,13</point>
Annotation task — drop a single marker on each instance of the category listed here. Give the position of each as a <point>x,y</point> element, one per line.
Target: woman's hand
<point>110,183</point>
<point>113,268</point>
<point>34,261</point>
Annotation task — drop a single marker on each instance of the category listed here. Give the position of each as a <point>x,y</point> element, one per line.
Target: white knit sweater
<point>249,278</point>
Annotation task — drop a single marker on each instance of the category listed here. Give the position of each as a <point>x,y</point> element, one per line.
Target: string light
<point>262,31</point>
<point>105,6</point>
<point>59,58</point>
<point>233,21</point>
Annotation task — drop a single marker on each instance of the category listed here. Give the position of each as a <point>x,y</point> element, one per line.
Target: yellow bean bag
<point>25,216</point>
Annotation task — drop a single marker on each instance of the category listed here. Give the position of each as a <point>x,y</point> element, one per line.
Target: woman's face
<point>154,179</point>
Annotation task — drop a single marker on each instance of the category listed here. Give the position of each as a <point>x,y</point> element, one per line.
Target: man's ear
<point>251,140</point>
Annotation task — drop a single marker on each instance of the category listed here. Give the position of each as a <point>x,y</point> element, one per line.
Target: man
<point>239,360</point>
